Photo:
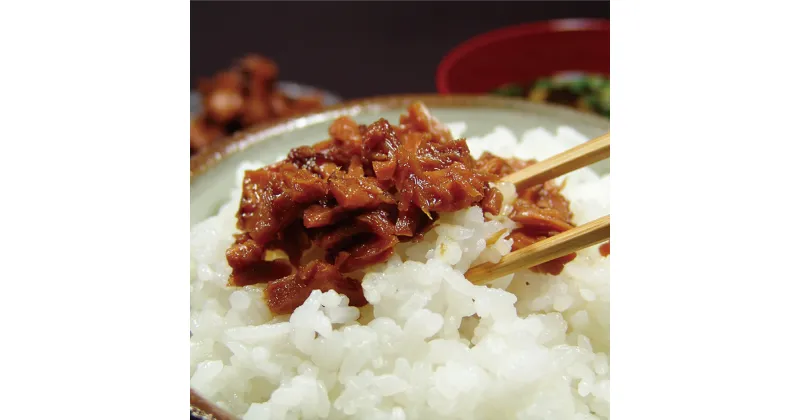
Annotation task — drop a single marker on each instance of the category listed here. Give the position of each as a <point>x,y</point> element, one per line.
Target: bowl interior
<point>524,53</point>
<point>214,173</point>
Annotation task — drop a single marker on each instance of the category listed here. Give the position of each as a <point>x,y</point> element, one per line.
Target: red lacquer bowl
<point>524,53</point>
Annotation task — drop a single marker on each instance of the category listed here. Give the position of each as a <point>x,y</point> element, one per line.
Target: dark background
<point>357,49</point>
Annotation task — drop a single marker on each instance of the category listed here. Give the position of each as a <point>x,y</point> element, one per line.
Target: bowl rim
<point>220,149</point>
<point>510,32</point>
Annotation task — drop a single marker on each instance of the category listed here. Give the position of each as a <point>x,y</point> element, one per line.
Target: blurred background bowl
<point>294,90</point>
<point>524,53</point>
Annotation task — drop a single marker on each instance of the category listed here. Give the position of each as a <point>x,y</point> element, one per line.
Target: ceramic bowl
<point>213,170</point>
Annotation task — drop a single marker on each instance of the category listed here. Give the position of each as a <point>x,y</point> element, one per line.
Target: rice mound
<point>430,344</point>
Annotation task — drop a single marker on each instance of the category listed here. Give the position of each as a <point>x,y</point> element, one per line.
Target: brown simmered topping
<point>286,294</point>
<point>343,204</point>
<point>241,97</point>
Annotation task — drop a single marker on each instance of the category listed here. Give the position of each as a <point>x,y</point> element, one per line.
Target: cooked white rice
<point>431,345</point>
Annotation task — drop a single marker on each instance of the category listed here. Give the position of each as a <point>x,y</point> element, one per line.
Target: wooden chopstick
<point>582,155</point>
<point>207,408</point>
<point>565,243</point>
